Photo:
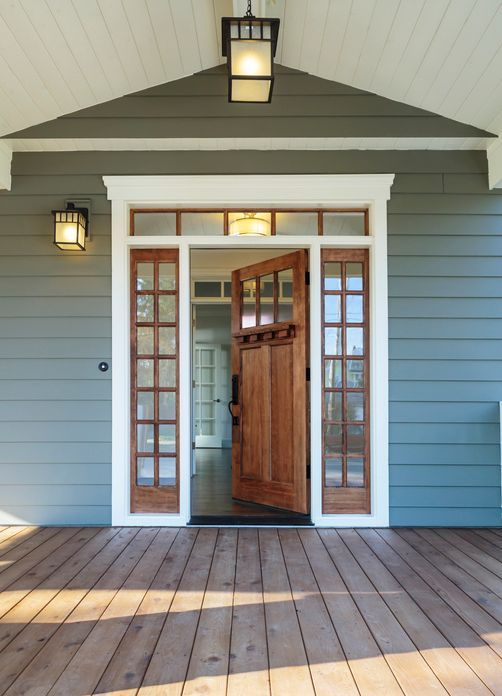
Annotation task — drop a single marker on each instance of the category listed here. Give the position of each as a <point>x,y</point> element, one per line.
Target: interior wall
<point>445,244</point>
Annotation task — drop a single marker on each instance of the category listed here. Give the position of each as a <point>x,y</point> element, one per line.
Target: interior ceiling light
<point>249,44</point>
<point>250,225</point>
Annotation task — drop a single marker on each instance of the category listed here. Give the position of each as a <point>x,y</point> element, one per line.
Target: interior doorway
<point>250,443</point>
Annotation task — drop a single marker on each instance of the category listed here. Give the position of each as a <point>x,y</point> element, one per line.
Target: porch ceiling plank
<point>34,628</point>
<point>467,642</point>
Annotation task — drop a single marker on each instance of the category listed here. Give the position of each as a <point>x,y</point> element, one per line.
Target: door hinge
<point>307,278</point>
<point>308,471</point>
<point>307,374</point>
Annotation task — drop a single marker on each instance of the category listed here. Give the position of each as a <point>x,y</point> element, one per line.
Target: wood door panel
<point>270,438</point>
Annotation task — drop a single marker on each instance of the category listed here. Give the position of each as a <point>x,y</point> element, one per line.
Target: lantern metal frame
<point>81,208</point>
<point>248,26</point>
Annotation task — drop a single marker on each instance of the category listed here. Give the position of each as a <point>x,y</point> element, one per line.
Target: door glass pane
<point>333,406</point>
<point>145,468</point>
<point>248,291</point>
<point>332,373</point>
<point>167,308</point>
<point>285,303</point>
<point>355,345</point>
<point>355,472</point>
<point>267,299</point>
<point>355,406</point>
<point>167,373</point>
<point>355,374</point>
<point>333,341</point>
<point>207,357</point>
<point>333,471</point>
<point>144,278</point>
<point>167,438</point>
<point>144,376</point>
<point>155,224</point>
<point>145,438</point>
<point>167,471</point>
<point>355,439</point>
<point>333,439</point>
<point>354,276</point>
<point>167,340</point>
<point>332,309</point>
<point>145,340</point>
<point>346,224</point>
<point>207,410</point>
<point>145,406</point>
<point>144,308</point>
<point>333,276</point>
<point>167,406</point>
<point>167,276</point>
<point>354,309</point>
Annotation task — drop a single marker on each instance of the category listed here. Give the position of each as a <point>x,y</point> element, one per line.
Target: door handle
<point>234,401</point>
<point>217,401</point>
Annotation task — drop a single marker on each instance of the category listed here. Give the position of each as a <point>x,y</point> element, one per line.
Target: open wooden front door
<point>269,383</point>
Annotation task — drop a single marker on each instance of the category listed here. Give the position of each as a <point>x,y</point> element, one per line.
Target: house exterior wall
<point>445,243</point>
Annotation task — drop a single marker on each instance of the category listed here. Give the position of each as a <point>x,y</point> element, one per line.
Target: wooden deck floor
<point>290,612</point>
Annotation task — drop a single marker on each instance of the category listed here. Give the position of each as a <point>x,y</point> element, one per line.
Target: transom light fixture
<point>250,225</point>
<point>71,227</point>
<point>249,44</point>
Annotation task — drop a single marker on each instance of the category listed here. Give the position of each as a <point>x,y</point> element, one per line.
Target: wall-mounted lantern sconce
<point>71,226</point>
<point>249,44</point>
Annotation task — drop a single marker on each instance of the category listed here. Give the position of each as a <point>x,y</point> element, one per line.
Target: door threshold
<point>251,521</point>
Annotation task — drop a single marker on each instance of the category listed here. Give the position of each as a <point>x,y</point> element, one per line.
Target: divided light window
<point>217,222</point>
<point>345,342</point>
<point>154,380</point>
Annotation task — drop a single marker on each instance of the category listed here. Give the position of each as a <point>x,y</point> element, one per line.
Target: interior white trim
<point>327,191</point>
<point>5,165</point>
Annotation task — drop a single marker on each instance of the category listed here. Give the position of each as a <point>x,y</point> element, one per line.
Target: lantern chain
<point>249,12</point>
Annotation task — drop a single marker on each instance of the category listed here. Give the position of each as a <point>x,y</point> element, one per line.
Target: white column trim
<point>5,166</point>
<point>314,191</point>
<point>494,154</point>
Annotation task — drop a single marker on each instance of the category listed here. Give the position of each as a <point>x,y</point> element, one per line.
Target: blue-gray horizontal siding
<point>445,292</point>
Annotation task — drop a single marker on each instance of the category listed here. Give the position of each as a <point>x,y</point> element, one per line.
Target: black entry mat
<point>251,520</point>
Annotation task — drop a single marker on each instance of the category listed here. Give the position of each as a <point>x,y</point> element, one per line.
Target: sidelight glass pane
<point>248,292</point>
<point>333,471</point>
<point>333,341</point>
<point>145,340</point>
<point>355,406</point>
<point>355,472</point>
<point>167,276</point>
<point>167,471</point>
<point>332,439</point>
<point>355,341</point>
<point>346,224</point>
<point>144,376</point>
<point>145,437</point>
<point>355,439</point>
<point>167,308</point>
<point>354,309</point>
<point>167,438</point>
<point>145,469</point>
<point>167,373</point>
<point>155,224</point>
<point>355,374</point>
<point>332,309</point>
<point>333,276</point>
<point>167,340</point>
<point>354,276</point>
<point>145,406</point>
<point>332,373</point>
<point>333,406</point>
<point>144,308</point>
<point>167,405</point>
<point>267,299</point>
<point>144,276</point>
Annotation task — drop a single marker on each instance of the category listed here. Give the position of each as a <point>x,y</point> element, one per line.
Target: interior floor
<point>212,488</point>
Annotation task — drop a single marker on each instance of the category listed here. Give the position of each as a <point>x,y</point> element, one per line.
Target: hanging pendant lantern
<point>250,225</point>
<point>249,44</point>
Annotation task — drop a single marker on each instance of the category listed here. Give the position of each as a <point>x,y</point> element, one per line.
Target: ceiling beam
<point>494,153</point>
<point>5,162</point>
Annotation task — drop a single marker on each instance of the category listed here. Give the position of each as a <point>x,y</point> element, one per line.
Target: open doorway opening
<point>249,345</point>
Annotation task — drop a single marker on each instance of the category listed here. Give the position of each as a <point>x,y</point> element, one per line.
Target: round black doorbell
<point>103,367</point>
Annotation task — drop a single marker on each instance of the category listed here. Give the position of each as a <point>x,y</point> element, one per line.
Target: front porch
<point>227,611</point>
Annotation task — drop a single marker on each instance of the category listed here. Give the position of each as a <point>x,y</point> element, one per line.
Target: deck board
<point>250,612</point>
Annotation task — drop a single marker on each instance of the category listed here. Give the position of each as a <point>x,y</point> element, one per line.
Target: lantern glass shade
<point>250,225</point>
<point>70,229</point>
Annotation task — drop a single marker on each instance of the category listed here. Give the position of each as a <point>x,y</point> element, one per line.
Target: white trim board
<point>5,164</point>
<point>313,191</point>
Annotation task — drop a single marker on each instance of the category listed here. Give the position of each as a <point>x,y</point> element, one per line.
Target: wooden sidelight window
<point>345,341</point>
<point>154,381</point>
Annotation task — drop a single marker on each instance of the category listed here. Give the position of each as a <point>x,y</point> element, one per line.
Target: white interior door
<point>208,403</point>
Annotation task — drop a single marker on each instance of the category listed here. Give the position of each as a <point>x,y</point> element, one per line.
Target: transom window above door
<point>256,223</point>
